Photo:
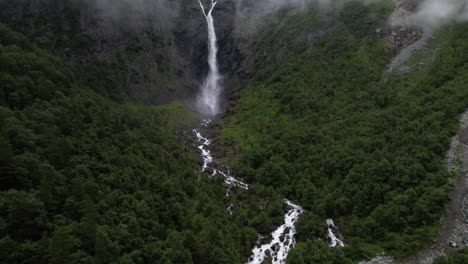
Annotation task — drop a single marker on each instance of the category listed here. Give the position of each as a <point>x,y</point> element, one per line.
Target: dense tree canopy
<point>87,180</point>
<point>324,128</point>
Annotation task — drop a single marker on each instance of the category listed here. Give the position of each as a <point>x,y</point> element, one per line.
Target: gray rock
<point>380,260</point>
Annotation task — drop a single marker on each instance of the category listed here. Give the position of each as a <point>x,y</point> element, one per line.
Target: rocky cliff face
<point>151,52</point>
<point>154,54</point>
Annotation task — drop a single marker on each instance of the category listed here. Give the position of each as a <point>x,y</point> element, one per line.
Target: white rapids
<point>208,160</point>
<point>334,240</point>
<point>282,239</point>
<point>209,95</point>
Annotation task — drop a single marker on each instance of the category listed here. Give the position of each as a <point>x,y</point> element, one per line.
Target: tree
<point>102,249</point>
<point>62,245</point>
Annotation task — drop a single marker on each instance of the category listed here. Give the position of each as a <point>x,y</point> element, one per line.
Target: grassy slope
<point>320,127</point>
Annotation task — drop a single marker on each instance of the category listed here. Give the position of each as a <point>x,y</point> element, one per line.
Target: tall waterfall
<point>282,239</point>
<point>208,97</point>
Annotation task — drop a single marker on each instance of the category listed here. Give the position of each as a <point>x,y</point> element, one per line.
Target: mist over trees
<point>433,13</point>
<point>90,174</point>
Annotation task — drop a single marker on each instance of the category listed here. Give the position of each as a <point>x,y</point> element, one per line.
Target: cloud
<point>137,12</point>
<point>429,14</point>
<point>270,6</point>
<point>249,12</point>
<point>435,13</point>
<point>164,13</point>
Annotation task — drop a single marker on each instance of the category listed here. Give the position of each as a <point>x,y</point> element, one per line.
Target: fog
<point>253,11</point>
<point>430,13</point>
<point>137,12</point>
<point>166,11</point>
<point>269,6</point>
<point>435,13</point>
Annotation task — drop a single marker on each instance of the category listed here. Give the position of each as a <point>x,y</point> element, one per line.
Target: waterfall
<point>334,240</point>
<point>208,97</point>
<point>282,239</point>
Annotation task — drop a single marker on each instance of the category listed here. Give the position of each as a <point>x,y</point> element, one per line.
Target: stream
<point>282,239</point>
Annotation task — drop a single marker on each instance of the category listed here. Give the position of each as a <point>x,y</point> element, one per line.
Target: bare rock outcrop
<point>405,37</point>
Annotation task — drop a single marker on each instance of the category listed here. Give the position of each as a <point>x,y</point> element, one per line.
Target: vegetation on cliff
<point>323,129</point>
<point>459,257</point>
<point>87,180</point>
<point>87,177</point>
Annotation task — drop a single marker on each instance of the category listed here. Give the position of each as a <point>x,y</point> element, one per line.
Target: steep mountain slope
<point>150,52</point>
<point>87,180</point>
<point>89,176</point>
<point>322,128</point>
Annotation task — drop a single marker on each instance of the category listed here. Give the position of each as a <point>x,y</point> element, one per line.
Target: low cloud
<point>249,12</point>
<point>137,12</point>
<point>429,14</point>
<point>435,13</point>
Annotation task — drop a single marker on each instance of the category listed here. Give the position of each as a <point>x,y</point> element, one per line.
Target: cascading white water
<point>208,160</point>
<point>209,95</point>
<point>282,239</point>
<point>334,240</point>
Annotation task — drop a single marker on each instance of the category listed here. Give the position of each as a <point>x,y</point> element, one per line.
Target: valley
<point>233,131</point>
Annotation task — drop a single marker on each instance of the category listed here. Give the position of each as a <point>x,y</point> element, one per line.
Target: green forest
<point>458,257</point>
<point>88,176</point>
<point>88,180</point>
<point>324,129</point>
